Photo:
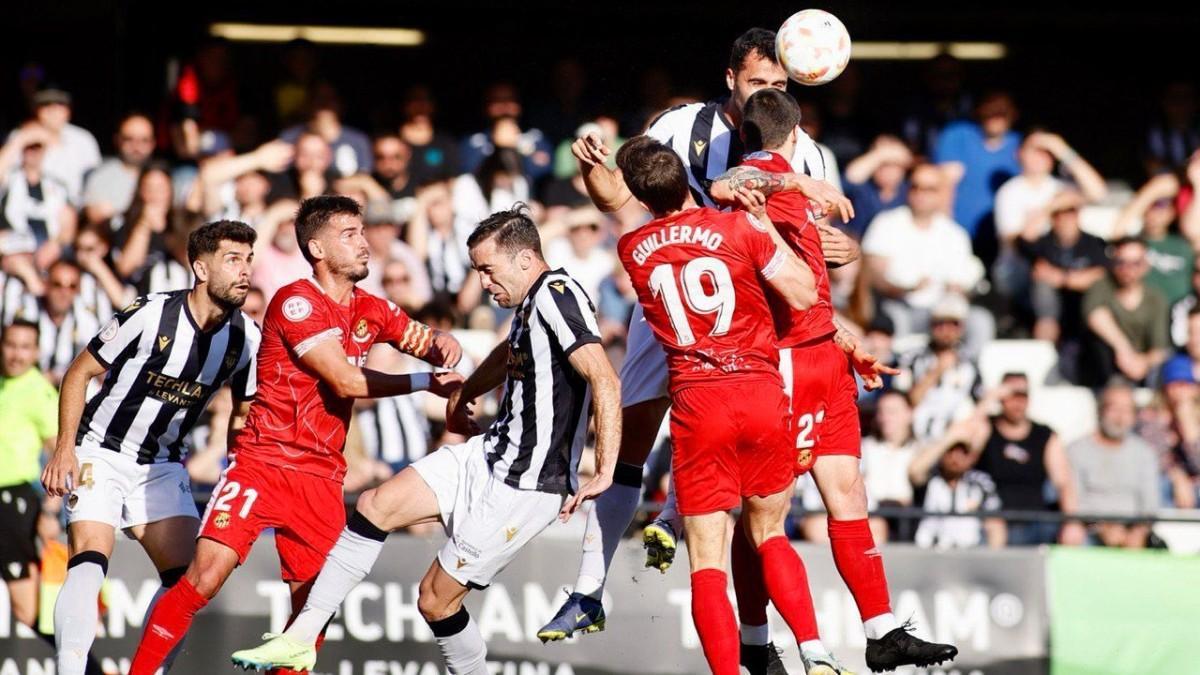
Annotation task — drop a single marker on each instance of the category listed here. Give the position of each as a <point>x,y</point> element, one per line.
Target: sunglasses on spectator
<point>1018,393</point>
<point>925,187</point>
<point>395,280</point>
<point>63,284</point>
<point>137,139</point>
<point>1068,209</point>
<point>938,321</point>
<point>388,156</point>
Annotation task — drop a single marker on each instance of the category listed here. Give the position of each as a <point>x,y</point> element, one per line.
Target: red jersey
<point>789,211</point>
<point>295,421</point>
<point>698,275</point>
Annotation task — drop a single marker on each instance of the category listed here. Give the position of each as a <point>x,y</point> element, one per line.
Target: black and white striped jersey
<point>395,430</point>
<point>164,274</point>
<point>538,435</point>
<point>162,371</point>
<point>60,343</point>
<point>709,145</point>
<point>15,300</point>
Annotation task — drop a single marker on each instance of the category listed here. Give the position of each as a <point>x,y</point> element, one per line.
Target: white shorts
<point>113,488</point>
<point>644,373</point>
<point>487,520</point>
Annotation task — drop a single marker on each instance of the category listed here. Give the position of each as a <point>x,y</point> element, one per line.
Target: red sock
<point>861,566</point>
<point>713,616</point>
<point>787,583</point>
<point>748,586</point>
<point>168,623</point>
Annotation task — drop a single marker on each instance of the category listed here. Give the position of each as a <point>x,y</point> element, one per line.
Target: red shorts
<point>824,402</point>
<point>731,441</point>
<point>306,512</point>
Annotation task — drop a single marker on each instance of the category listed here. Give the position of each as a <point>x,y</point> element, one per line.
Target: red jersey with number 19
<point>699,277</point>
<point>296,422</point>
<point>788,210</point>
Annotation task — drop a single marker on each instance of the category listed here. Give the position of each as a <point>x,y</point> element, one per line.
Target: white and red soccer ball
<point>813,46</point>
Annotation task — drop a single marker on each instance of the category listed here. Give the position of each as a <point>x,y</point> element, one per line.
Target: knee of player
<point>206,580</point>
<point>371,506</point>
<point>432,606</point>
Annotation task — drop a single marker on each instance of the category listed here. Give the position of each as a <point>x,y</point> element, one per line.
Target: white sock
<point>814,648</point>
<point>461,643</point>
<point>76,613</point>
<point>878,626</point>
<point>610,516</point>
<point>351,559</point>
<point>755,635</point>
<point>670,512</point>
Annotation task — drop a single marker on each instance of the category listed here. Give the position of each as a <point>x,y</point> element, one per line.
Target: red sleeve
<point>764,254</point>
<point>398,329</point>
<point>302,319</point>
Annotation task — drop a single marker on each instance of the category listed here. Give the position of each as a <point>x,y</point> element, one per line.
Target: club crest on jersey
<point>362,332</point>
<point>110,331</point>
<point>221,521</point>
<point>163,341</point>
<point>560,286</point>
<point>698,146</point>
<point>297,308</point>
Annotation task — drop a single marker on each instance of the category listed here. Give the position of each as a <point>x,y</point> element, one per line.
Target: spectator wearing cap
<point>941,379</point>
<point>955,491</point>
<point>434,154</point>
<point>1171,257</point>
<point>109,189</point>
<point>1027,462</point>
<point>979,155</point>
<point>582,250</point>
<point>71,151</point>
<point>878,339</point>
<point>1116,472</point>
<point>381,227</point>
<point>1181,383</point>
<point>350,148</point>
<point>1065,262</point>
<point>1022,201</point>
<point>1126,317</point>
<point>877,181</point>
<point>916,255</point>
<point>35,215</point>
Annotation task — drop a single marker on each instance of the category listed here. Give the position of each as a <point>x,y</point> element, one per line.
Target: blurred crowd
<point>973,227</point>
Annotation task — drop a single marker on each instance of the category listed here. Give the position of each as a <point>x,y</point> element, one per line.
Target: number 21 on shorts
<point>805,426</point>
<point>229,492</point>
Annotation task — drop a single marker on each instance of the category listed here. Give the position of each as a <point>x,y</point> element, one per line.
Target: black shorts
<point>20,506</point>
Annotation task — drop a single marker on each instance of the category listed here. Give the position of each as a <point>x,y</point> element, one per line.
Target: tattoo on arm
<point>754,179</point>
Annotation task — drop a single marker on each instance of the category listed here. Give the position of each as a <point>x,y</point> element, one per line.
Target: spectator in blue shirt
<point>502,110</point>
<point>351,148</point>
<point>980,156</point>
<point>877,181</point>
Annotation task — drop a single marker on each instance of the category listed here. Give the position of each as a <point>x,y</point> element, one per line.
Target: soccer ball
<point>813,47</point>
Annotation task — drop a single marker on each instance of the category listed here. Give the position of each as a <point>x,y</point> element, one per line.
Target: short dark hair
<point>654,173</point>
<point>206,239</point>
<point>1014,374</point>
<point>1127,240</point>
<point>754,41</point>
<point>315,213</point>
<point>20,322</point>
<point>767,118</point>
<point>513,229</point>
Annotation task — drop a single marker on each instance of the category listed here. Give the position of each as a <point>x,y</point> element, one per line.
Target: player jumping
<point>119,458</point>
<point>287,465</point>
<point>823,392</point>
<point>698,275</point>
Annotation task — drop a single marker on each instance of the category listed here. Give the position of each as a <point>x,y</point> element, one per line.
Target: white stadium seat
<point>1069,411</point>
<point>1035,358</point>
